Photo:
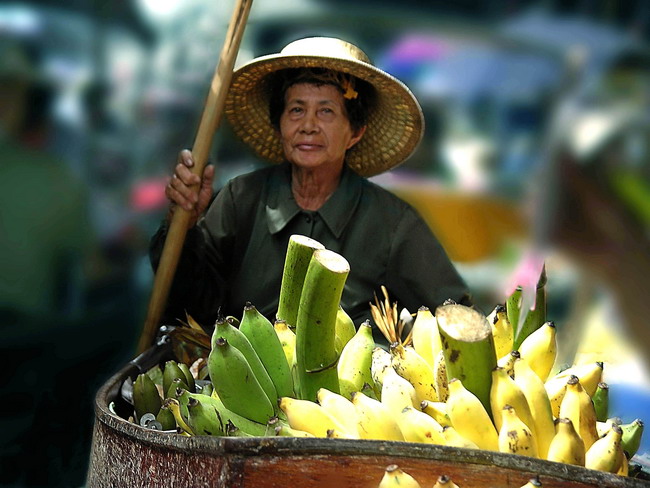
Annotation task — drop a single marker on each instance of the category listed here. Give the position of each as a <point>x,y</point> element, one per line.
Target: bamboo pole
<point>210,119</point>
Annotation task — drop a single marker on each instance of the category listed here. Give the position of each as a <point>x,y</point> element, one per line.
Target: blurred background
<point>536,138</point>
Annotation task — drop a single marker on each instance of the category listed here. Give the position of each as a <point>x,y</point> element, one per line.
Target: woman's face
<point>314,127</point>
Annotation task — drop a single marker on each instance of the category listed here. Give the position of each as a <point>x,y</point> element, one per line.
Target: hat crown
<point>325,46</point>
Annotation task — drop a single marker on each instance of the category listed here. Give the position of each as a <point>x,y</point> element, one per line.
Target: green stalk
<point>468,348</point>
<point>316,355</point>
<point>299,252</point>
<point>534,318</point>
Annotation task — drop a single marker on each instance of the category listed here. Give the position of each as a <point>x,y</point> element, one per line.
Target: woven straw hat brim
<point>394,127</point>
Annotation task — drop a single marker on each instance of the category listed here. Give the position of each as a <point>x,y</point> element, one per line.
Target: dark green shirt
<point>236,252</point>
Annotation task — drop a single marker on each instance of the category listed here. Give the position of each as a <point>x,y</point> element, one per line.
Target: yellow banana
<point>355,362</point>
<point>174,405</point>
<point>540,349</point>
<point>454,439</point>
<point>425,336</point>
<point>577,406</point>
<point>469,417</point>
<point>340,408</point>
<point>444,481</point>
<point>589,374</point>
<point>533,483</point>
<point>287,339</point>
<point>566,446</point>
<point>604,454</point>
<point>507,362</point>
<point>376,421</point>
<point>624,466</point>
<point>344,329</point>
<point>502,331</point>
<point>309,416</point>
<point>437,410</point>
<point>540,406</point>
<point>417,426</point>
<point>603,427</point>
<point>505,391</point>
<point>379,365</point>
<point>440,375</point>
<point>394,477</point>
<point>555,389</point>
<point>514,436</point>
<point>397,393</point>
<point>410,365</point>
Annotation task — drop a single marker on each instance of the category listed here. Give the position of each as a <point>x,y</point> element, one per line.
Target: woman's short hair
<point>357,107</point>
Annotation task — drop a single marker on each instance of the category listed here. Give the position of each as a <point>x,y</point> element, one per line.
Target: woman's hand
<point>187,190</point>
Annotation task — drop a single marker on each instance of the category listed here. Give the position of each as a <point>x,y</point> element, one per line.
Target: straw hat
<point>394,127</point>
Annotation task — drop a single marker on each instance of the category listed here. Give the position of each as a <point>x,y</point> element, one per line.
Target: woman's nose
<point>309,122</point>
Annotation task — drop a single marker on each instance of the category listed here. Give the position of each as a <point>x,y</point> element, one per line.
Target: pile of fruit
<point>459,378</point>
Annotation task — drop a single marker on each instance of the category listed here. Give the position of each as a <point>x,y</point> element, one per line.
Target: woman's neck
<point>311,189</point>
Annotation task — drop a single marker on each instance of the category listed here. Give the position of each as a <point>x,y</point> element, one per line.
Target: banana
<point>555,389</point>
<point>589,374</point>
<point>411,366</point>
<point>397,393</point>
<point>339,434</point>
<point>601,401</point>
<point>379,365</point>
<point>189,378</point>
<point>287,339</point>
<point>174,406</point>
<point>170,372</point>
<point>603,427</point>
<point>309,416</point>
<point>469,417</point>
<point>533,483</point>
<point>631,437</point>
<point>444,481</point>
<point>261,334</point>
<point>577,406</point>
<point>417,426</point>
<point>437,410</point>
<point>203,418</point>
<point>166,418</point>
<point>231,420</point>
<point>440,375</point>
<point>540,406</point>
<point>540,349</point>
<point>604,454</point>
<point>502,331</point>
<point>344,330</point>
<point>177,384</point>
<point>354,364</point>
<point>236,338</point>
<point>146,398</point>
<point>235,383</point>
<point>507,362</point>
<point>454,439</point>
<point>285,430</point>
<point>376,421</point>
<point>624,466</point>
<point>505,391</point>
<point>514,435</point>
<point>341,408</point>
<point>566,446</point>
<point>425,336</point>
<point>394,477</point>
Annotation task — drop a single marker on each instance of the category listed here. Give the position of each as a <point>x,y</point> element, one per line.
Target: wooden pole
<point>210,119</point>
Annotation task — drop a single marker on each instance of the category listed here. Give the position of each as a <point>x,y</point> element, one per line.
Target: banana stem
<point>316,323</point>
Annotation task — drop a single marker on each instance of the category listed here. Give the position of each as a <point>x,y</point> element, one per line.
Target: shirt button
<point>308,219</point>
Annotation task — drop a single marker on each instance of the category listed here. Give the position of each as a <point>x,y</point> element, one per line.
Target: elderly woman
<point>328,118</point>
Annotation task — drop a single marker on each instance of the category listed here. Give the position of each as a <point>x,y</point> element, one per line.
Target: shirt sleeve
<point>419,271</point>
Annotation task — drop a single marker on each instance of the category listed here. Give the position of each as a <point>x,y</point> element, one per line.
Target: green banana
<point>146,398</point>
<point>601,401</point>
<point>177,383</point>
<point>235,383</point>
<point>189,378</point>
<point>203,418</point>
<point>262,336</point>
<point>345,330</point>
<point>232,421</point>
<point>355,361</point>
<point>166,418</point>
<point>174,406</point>
<point>631,436</point>
<point>171,371</point>
<point>238,339</point>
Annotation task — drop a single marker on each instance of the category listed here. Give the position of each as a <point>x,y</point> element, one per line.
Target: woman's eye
<point>295,110</point>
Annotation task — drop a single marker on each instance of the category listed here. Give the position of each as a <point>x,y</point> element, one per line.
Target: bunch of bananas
<point>456,380</point>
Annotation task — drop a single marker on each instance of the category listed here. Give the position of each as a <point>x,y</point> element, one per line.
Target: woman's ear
<point>356,137</point>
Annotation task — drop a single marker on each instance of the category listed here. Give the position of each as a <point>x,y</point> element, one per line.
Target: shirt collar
<point>336,212</point>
